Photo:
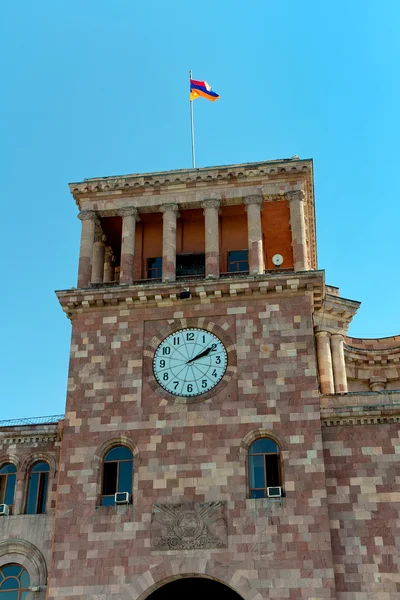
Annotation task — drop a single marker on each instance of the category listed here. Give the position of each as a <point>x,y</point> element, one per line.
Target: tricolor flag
<point>202,89</point>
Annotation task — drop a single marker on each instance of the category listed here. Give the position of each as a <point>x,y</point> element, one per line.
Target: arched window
<point>7,484</point>
<point>117,474</point>
<point>14,583</point>
<point>264,467</point>
<point>37,489</point>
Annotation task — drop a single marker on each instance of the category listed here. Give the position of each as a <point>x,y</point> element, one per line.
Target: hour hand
<point>204,353</point>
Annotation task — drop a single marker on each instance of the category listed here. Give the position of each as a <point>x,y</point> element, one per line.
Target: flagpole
<point>192,124</point>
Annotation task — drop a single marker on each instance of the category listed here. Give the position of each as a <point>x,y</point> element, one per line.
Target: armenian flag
<point>202,89</point>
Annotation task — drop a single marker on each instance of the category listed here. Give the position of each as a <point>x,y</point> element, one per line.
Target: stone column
<point>89,220</point>
<point>108,275</point>
<point>129,217</point>
<point>254,233</point>
<point>338,362</point>
<point>211,209</point>
<point>98,257</point>
<point>299,232</point>
<point>324,359</point>
<point>170,215</point>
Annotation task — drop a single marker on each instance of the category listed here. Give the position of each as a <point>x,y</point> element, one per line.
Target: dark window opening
<point>117,474</point>
<point>154,268</point>
<point>238,261</point>
<point>7,485</point>
<point>37,489</point>
<point>189,265</point>
<point>264,467</point>
<point>186,587</point>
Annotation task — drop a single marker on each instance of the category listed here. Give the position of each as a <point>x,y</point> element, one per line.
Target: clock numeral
<point>218,360</point>
<point>213,347</point>
<point>166,350</point>
<point>214,373</point>
<point>204,339</point>
<point>165,377</point>
<point>175,384</point>
<point>177,341</point>
<point>190,337</point>
<point>162,364</point>
<point>204,383</point>
<point>189,387</point>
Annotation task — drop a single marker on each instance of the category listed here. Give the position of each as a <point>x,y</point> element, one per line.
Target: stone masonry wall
<point>363,476</point>
<point>194,453</point>
<point>23,446</point>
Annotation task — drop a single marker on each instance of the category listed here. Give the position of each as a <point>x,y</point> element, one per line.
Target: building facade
<point>223,434</point>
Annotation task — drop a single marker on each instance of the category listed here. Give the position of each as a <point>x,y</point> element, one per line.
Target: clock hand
<point>204,353</point>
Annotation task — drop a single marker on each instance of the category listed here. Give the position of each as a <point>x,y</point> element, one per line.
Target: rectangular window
<point>154,268</point>
<point>238,261</point>
<point>188,265</point>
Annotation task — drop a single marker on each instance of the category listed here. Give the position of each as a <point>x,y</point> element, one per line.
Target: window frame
<point>19,589</point>
<point>238,262</point>
<point>4,489</point>
<point>278,454</point>
<point>103,463</point>
<point>157,269</point>
<point>41,491</point>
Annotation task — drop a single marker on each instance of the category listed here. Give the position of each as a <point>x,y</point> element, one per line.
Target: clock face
<point>190,362</point>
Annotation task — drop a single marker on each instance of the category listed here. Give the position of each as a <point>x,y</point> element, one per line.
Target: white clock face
<point>190,362</point>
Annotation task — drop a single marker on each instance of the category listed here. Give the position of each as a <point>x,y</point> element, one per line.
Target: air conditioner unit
<point>122,498</point>
<point>4,509</point>
<point>274,492</point>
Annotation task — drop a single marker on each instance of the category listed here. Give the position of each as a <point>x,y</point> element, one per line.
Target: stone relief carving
<point>188,526</point>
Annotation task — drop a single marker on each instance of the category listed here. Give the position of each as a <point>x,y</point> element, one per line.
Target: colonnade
<point>95,264</point>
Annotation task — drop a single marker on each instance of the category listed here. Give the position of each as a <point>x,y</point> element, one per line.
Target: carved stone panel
<point>188,526</point>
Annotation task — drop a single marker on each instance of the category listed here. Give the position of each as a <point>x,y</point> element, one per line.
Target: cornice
<point>167,294</point>
<point>14,438</point>
<point>370,357</point>
<point>162,179</point>
<point>360,408</point>
<point>335,314</point>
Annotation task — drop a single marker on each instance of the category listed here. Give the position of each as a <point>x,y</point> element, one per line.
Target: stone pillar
<point>89,220</point>
<point>108,275</point>
<point>254,233</point>
<point>299,232</point>
<point>324,360</point>
<point>211,209</point>
<point>98,257</point>
<point>338,363</point>
<point>170,215</point>
<point>129,217</point>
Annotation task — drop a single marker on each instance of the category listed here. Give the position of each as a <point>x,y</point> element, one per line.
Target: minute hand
<point>204,353</point>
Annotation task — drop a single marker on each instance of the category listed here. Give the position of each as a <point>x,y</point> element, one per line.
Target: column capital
<point>172,207</point>
<point>296,195</point>
<point>129,211</point>
<point>322,334</point>
<point>99,236</point>
<point>337,337</point>
<point>88,215</point>
<point>253,199</point>
<point>211,203</point>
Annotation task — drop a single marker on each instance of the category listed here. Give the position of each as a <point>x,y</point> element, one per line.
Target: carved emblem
<point>188,526</point>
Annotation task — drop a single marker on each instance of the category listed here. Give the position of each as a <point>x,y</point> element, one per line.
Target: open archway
<point>194,587</point>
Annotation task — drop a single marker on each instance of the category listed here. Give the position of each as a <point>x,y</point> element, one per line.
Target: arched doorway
<point>193,588</point>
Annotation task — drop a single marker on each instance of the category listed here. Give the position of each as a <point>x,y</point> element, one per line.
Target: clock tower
<point>222,434</point>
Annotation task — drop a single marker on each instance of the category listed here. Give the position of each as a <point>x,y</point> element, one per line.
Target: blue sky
<point>99,88</point>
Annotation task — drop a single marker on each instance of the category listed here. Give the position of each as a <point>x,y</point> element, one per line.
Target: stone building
<point>223,434</point>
